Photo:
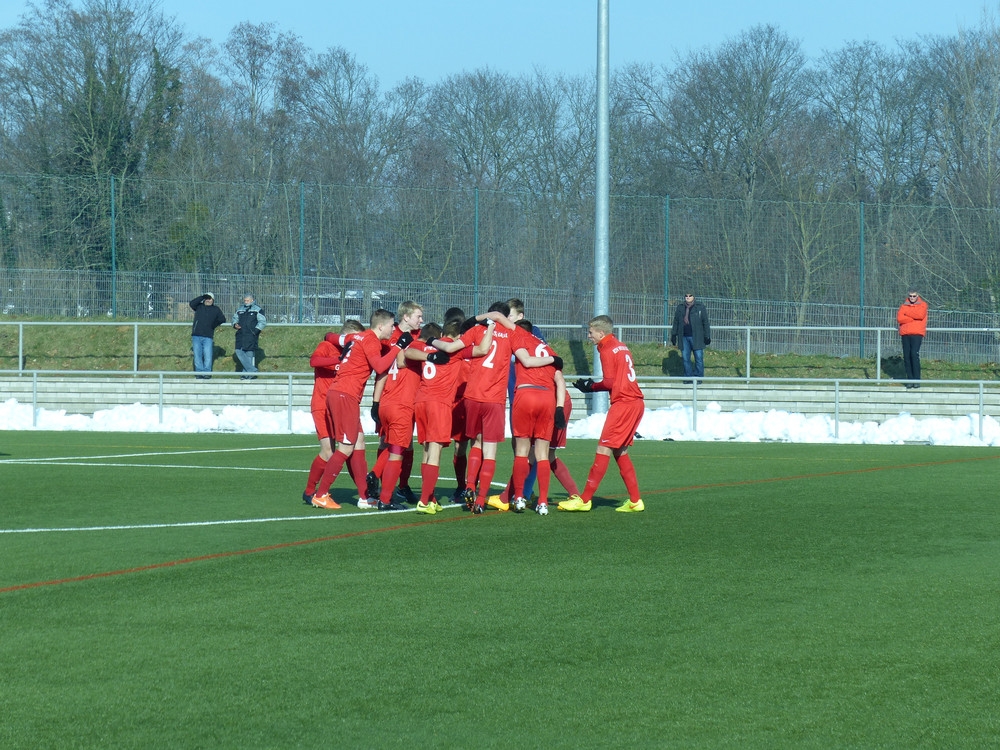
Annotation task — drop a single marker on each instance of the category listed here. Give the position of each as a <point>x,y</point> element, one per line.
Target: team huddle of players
<point>452,383</point>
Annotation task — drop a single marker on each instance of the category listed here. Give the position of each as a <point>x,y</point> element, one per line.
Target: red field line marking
<point>221,555</point>
<point>822,474</point>
<point>285,545</point>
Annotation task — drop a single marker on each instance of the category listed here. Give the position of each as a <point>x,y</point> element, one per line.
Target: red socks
<point>486,473</point>
<point>544,477</point>
<point>597,471</point>
<point>520,473</point>
<point>315,472</point>
<point>333,467</point>
<point>628,476</point>
<point>564,477</point>
<point>428,479</point>
<point>475,464</point>
<point>389,477</point>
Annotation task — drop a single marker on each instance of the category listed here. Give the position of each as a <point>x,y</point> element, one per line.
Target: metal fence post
<point>861,275</point>
<point>666,269</point>
<point>302,246</point>
<point>475,251</point>
<point>135,347</point>
<point>748,354</point>
<point>114,255</point>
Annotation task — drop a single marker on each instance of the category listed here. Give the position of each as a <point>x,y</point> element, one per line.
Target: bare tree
<point>93,93</point>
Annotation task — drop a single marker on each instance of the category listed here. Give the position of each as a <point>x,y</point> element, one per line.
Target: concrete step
<point>850,401</point>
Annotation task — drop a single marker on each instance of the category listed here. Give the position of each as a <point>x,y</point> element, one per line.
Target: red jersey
<point>488,379</point>
<point>543,377</point>
<point>401,383</point>
<point>440,382</point>
<point>324,359</point>
<point>359,361</point>
<point>619,373</point>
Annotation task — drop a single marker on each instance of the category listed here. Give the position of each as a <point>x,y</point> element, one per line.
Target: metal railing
<point>835,341</point>
<point>827,396</point>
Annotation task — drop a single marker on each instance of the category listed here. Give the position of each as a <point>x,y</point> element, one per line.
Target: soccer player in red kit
<point>393,393</point>
<point>344,399</point>
<point>440,377</point>
<point>621,422</point>
<point>324,360</point>
<point>533,418</point>
<point>486,397</point>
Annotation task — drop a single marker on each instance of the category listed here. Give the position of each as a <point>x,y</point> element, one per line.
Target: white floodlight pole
<point>602,216</point>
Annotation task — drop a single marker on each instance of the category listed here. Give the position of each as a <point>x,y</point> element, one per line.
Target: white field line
<point>152,466</point>
<point>103,461</point>
<point>211,523</point>
<point>148,454</point>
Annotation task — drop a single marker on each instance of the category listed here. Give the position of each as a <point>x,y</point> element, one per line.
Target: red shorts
<point>324,425</point>
<point>533,413</point>
<point>397,423</point>
<point>621,424</point>
<point>458,421</point>
<point>484,419</point>
<point>433,422</point>
<point>345,411</point>
<point>559,436</point>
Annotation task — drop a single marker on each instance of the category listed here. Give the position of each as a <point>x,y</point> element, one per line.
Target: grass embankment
<point>287,349</point>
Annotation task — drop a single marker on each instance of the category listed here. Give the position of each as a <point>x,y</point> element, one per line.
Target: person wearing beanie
<point>207,317</point>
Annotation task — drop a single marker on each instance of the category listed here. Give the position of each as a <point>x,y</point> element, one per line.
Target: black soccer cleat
<point>405,493</point>
<point>372,485</point>
<point>469,497</point>
<point>390,506</point>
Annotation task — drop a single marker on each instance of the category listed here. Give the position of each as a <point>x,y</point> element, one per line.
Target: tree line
<point>208,146</point>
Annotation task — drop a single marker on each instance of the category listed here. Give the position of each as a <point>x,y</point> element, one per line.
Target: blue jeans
<point>699,358</point>
<point>247,359</point>
<point>202,348</point>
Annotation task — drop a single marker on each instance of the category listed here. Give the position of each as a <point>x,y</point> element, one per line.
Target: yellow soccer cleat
<point>629,507</point>
<point>494,501</point>
<point>574,502</point>
<point>427,508</point>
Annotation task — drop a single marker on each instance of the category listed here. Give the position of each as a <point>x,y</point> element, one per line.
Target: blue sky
<point>432,39</point>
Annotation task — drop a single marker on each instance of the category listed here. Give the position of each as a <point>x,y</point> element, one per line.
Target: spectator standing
<point>207,317</point>
<point>692,328</point>
<point>912,320</point>
<point>249,321</point>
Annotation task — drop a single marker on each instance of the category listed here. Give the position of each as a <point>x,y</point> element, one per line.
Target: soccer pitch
<point>173,591</point>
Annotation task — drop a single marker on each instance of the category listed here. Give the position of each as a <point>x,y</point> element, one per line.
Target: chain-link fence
<point>75,247</point>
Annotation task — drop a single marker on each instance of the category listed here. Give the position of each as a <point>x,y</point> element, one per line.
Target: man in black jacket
<point>207,317</point>
<point>691,325</point>
<point>248,321</point>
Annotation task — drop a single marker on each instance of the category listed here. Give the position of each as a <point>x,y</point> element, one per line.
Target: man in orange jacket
<point>912,320</point>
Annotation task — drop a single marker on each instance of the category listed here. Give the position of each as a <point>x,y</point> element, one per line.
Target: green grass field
<point>770,596</point>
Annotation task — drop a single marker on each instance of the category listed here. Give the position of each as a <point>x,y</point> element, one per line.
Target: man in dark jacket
<point>249,321</point>
<point>691,325</point>
<point>207,317</point>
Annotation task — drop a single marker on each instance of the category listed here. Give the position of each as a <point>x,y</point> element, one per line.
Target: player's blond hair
<point>408,308</point>
<point>602,323</point>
